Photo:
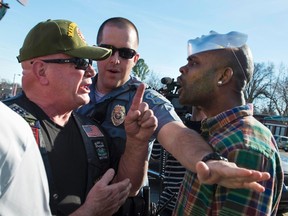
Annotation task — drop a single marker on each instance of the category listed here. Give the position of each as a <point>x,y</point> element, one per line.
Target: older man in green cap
<point>57,71</point>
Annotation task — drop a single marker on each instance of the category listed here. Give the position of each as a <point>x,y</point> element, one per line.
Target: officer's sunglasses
<point>3,9</point>
<point>80,63</point>
<point>125,53</point>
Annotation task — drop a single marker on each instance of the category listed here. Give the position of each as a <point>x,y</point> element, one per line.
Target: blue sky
<point>164,27</point>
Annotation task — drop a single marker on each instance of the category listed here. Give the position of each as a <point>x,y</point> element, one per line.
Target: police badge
<point>118,115</point>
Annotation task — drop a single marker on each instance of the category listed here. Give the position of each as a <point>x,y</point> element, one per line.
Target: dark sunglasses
<point>80,63</point>
<point>125,53</point>
<point>3,9</point>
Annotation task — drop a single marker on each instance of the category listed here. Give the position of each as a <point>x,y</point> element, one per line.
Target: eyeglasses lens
<point>125,53</point>
<point>82,64</point>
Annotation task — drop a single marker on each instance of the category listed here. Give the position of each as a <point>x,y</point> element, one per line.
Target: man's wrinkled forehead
<point>216,41</point>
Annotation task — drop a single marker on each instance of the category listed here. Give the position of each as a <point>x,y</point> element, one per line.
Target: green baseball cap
<point>59,36</point>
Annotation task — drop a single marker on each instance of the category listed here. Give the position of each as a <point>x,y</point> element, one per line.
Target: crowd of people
<point>95,132</point>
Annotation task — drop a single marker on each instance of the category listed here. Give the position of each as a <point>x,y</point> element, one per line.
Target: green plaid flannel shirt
<point>238,136</point>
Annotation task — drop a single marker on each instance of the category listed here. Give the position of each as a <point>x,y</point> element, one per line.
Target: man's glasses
<point>3,9</point>
<point>125,53</point>
<point>80,63</point>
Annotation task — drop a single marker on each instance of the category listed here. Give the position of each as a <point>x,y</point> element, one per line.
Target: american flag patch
<point>92,131</point>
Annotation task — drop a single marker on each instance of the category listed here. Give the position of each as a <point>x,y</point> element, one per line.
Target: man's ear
<point>136,58</point>
<point>39,71</point>
<point>225,76</point>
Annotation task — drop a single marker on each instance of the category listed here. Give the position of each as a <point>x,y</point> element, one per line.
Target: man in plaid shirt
<point>218,69</point>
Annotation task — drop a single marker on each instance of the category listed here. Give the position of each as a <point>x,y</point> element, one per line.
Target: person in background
<point>110,98</point>
<point>20,164</point>
<point>79,160</point>
<point>218,69</point>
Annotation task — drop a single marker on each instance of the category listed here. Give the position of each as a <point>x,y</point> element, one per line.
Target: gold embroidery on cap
<point>118,115</point>
<point>71,28</point>
<point>80,35</point>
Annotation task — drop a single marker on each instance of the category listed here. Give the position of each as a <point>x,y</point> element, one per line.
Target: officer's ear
<point>136,58</point>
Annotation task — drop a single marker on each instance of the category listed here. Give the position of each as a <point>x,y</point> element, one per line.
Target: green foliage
<point>141,69</point>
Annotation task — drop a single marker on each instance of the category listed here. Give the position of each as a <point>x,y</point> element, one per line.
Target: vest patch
<point>92,131</point>
<point>101,150</point>
<point>32,121</point>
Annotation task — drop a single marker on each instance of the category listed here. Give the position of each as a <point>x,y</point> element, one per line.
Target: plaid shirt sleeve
<point>248,202</point>
<point>250,146</point>
<point>238,136</point>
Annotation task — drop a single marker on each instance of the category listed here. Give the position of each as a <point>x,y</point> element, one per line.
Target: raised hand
<point>105,198</point>
<point>140,122</point>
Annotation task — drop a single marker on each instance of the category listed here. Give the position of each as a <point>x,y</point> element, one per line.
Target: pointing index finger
<point>138,97</point>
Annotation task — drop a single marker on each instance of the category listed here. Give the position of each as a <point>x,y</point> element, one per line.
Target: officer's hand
<point>140,122</point>
<point>104,198</point>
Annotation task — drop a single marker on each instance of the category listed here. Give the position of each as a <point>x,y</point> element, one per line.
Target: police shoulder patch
<point>156,99</point>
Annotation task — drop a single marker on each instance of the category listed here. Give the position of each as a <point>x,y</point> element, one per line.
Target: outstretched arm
<point>230,175</point>
<point>140,123</point>
<point>188,147</point>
